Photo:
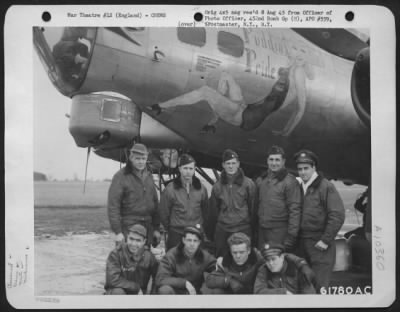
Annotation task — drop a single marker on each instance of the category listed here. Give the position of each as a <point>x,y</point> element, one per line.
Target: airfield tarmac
<point>73,239</point>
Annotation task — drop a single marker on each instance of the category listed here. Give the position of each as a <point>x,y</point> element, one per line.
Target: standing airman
<point>132,197</point>
<point>279,203</point>
<point>231,203</point>
<point>184,202</point>
<point>322,217</point>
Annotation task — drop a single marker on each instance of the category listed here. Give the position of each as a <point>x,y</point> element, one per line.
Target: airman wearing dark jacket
<point>279,203</point>
<point>132,197</point>
<point>238,270</point>
<point>184,202</point>
<point>322,217</point>
<point>182,269</point>
<point>231,203</point>
<point>283,273</point>
<point>130,265</point>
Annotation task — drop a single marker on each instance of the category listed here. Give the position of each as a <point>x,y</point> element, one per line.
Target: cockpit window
<point>192,35</point>
<point>230,44</point>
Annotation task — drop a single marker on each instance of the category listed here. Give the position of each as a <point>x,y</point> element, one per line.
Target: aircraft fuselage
<point>160,65</point>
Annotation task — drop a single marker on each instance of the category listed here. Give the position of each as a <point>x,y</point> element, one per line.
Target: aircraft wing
<point>338,41</point>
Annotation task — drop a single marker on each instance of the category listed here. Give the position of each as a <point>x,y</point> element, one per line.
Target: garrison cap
<point>196,230</point>
<point>138,229</point>
<point>229,154</point>
<point>185,159</point>
<point>276,150</point>
<point>272,250</point>
<point>306,157</point>
<point>140,149</point>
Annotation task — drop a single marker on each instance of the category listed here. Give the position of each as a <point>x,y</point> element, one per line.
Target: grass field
<point>70,194</point>
<point>62,208</point>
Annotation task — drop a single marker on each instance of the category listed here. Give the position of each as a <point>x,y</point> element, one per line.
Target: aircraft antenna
<point>87,163</point>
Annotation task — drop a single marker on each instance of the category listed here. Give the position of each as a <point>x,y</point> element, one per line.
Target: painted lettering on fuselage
<point>260,48</point>
<point>264,52</point>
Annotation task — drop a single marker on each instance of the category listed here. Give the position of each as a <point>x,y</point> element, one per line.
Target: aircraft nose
<point>65,53</point>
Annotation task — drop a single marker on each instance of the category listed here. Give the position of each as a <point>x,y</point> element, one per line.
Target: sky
<point>55,152</point>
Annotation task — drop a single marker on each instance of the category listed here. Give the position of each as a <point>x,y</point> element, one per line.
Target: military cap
<point>228,154</point>
<point>272,250</point>
<point>138,229</point>
<point>185,159</point>
<point>196,230</point>
<point>306,157</point>
<point>276,150</point>
<point>140,149</point>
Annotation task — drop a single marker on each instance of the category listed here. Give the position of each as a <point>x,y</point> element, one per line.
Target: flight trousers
<point>321,262</point>
<point>271,235</point>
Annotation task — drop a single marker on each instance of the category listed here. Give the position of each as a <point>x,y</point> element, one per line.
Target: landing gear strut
<point>205,175</point>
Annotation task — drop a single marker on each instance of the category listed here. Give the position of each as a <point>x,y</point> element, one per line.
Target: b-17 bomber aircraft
<point>203,90</point>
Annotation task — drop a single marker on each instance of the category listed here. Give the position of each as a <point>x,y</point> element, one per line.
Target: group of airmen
<point>272,236</point>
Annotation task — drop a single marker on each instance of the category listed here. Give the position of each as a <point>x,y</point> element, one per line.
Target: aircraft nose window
<point>71,57</point>
<point>230,44</point>
<point>65,52</point>
<point>71,54</point>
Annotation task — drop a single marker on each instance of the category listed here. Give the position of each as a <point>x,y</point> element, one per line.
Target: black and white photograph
<point>233,154</point>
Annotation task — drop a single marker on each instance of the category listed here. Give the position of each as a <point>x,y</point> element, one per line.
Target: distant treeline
<point>37,176</point>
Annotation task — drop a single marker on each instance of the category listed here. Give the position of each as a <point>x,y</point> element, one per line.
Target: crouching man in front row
<point>238,269</point>
<point>283,273</point>
<point>130,265</point>
<point>182,269</point>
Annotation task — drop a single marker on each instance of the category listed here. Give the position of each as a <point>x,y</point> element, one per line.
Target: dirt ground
<point>71,264</point>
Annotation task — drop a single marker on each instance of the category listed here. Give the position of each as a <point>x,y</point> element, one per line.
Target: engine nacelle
<point>360,86</point>
<point>103,121</point>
